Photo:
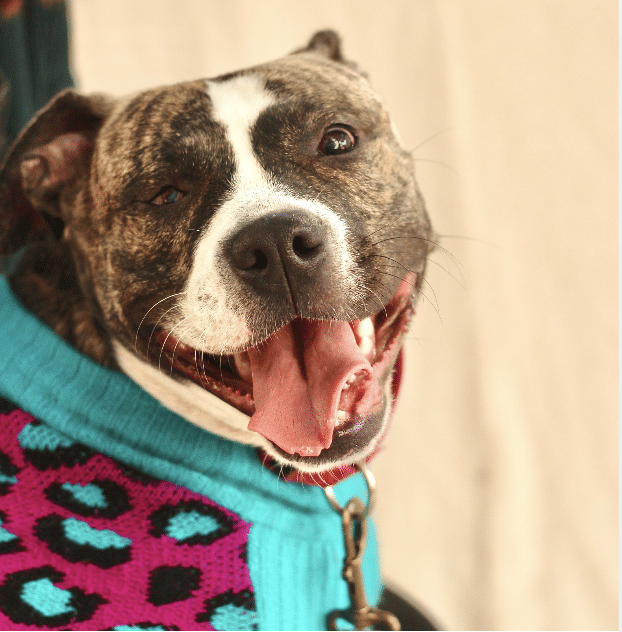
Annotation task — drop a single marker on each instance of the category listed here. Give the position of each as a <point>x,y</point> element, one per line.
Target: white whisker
<point>164,343</point>
<point>146,314</point>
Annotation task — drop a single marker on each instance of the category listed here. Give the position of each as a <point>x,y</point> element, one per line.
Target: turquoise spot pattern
<point>90,495</point>
<point>49,600</point>
<point>42,438</point>
<point>82,533</point>
<point>6,536</point>
<point>10,480</point>
<point>187,524</point>
<point>231,617</point>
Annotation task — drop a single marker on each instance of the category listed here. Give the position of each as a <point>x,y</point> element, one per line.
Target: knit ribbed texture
<point>295,547</point>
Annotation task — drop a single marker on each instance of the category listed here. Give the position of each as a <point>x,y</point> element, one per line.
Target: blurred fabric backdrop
<point>498,502</point>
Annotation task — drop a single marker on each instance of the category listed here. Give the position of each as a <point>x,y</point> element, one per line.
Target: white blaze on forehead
<point>236,104</point>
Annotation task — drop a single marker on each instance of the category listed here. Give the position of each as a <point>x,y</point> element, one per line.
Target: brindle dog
<point>248,248</point>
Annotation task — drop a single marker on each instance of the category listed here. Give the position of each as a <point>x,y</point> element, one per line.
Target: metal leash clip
<point>354,522</point>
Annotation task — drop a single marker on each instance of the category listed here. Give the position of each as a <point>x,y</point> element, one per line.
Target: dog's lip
<point>216,374</point>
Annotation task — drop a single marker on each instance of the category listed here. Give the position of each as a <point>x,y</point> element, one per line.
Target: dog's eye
<point>169,195</point>
<point>337,140</point>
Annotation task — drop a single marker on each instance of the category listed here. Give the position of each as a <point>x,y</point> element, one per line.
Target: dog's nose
<point>285,251</point>
<point>293,242</point>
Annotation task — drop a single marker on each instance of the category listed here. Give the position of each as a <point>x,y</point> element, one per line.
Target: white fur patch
<point>237,104</point>
<point>188,399</point>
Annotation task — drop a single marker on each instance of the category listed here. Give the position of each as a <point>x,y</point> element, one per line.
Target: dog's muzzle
<point>317,388</point>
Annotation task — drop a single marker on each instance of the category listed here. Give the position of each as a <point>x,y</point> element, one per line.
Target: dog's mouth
<point>315,388</point>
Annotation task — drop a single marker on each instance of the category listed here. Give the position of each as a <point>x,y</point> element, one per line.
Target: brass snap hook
<point>354,524</point>
<point>370,480</point>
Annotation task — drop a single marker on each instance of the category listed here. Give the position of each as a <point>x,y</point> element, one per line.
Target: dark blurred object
<point>4,112</point>
<point>34,60</point>
<point>409,616</point>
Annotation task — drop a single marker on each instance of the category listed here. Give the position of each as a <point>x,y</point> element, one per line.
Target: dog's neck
<point>46,283</point>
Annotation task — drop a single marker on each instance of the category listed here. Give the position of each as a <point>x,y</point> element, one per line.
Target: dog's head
<point>249,247</point>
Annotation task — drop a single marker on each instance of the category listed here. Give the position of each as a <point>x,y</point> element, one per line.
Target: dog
<point>247,249</point>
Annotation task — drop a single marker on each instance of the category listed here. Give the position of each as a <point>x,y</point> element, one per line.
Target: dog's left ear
<point>328,44</point>
<point>325,43</point>
<point>46,157</point>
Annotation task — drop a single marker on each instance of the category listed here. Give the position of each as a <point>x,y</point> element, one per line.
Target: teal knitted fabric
<point>295,547</point>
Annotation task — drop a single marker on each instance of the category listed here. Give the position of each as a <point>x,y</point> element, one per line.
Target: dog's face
<point>250,246</point>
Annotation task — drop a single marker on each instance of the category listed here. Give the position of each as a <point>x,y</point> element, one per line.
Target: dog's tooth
<point>366,335</point>
<point>365,328</point>
<point>243,366</point>
<point>342,416</point>
<point>366,345</point>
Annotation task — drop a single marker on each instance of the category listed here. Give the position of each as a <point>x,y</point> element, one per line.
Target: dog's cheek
<point>390,230</point>
<point>122,264</point>
<point>396,220</point>
<point>148,260</point>
<point>213,309</point>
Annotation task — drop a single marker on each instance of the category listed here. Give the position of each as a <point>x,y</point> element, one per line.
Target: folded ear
<point>326,43</point>
<point>47,156</point>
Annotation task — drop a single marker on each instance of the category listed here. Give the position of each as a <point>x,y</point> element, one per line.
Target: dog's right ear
<point>327,44</point>
<point>46,157</point>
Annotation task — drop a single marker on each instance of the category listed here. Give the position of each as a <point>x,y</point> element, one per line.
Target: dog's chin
<point>358,420</point>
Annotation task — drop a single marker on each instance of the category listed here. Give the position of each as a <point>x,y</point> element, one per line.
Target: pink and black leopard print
<point>88,542</point>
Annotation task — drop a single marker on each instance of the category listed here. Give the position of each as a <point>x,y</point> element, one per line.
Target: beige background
<point>499,484</point>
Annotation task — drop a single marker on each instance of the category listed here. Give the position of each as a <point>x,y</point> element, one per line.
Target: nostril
<point>250,258</point>
<point>306,246</point>
<point>260,262</point>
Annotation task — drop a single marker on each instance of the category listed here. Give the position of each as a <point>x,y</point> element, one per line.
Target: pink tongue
<point>297,383</point>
